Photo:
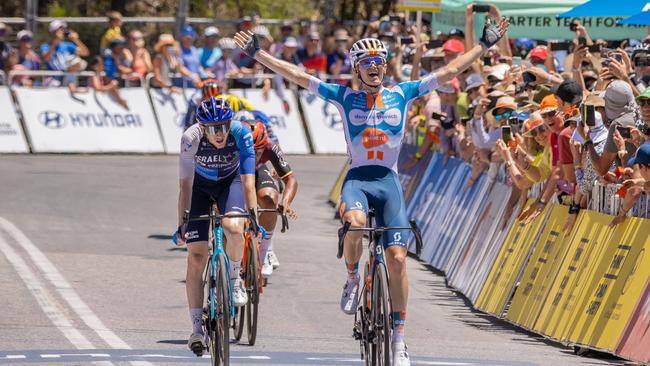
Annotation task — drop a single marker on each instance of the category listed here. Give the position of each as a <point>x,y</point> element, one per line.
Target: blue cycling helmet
<point>262,117</point>
<point>213,111</point>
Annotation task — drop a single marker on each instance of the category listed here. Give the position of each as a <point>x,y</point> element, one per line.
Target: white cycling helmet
<point>244,116</point>
<point>227,43</point>
<point>367,47</point>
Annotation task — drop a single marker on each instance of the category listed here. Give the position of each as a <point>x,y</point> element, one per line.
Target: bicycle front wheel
<point>253,287</point>
<point>221,336</point>
<point>380,318</point>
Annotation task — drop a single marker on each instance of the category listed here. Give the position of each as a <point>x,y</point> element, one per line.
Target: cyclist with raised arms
<point>373,120</point>
<point>267,190</point>
<point>217,161</point>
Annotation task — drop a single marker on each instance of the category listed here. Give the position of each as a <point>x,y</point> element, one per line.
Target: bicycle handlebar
<point>413,227</point>
<point>279,211</point>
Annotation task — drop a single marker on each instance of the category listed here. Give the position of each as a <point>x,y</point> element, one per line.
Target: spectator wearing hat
<point>168,62</point>
<point>537,57</point>
<point>210,53</point>
<point>245,24</point>
<point>637,181</point>
<point>338,61</point>
<point>286,31</point>
<point>140,57</point>
<point>569,95</point>
<point>305,31</point>
<point>311,56</point>
<point>452,49</point>
<point>58,53</point>
<point>289,51</point>
<point>117,59</point>
<point>248,66</point>
<point>114,29</point>
<point>189,53</point>
<point>225,67</point>
<point>26,55</point>
<point>5,47</point>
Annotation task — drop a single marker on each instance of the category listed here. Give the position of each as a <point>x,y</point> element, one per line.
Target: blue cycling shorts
<point>379,187</point>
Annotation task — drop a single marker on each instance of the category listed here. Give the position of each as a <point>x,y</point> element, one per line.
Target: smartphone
<point>506,134</point>
<point>595,48</point>
<point>447,125</point>
<point>624,131</point>
<point>560,46</point>
<point>437,116</point>
<point>516,61</point>
<point>573,27</point>
<point>434,43</point>
<point>394,18</point>
<point>589,115</point>
<point>529,77</point>
<point>582,41</point>
<point>406,40</point>
<point>481,8</point>
<point>487,61</point>
<point>617,56</point>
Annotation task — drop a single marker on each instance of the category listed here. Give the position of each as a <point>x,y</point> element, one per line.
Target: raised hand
<point>248,42</point>
<point>493,33</point>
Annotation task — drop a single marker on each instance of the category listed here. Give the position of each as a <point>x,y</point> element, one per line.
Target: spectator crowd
<point>552,116</point>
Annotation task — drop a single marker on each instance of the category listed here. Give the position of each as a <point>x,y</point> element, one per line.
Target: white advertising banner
<point>12,138</point>
<point>287,126</point>
<point>58,121</point>
<point>324,123</point>
<point>170,110</point>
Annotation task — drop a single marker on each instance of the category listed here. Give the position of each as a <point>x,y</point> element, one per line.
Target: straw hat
<point>163,40</point>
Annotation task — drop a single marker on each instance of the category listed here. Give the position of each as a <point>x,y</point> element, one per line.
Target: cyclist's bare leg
<point>267,198</point>
<point>398,285</point>
<point>352,248</point>
<point>233,229</point>
<point>197,258</point>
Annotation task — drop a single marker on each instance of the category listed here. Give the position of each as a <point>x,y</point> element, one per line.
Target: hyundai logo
<point>52,119</point>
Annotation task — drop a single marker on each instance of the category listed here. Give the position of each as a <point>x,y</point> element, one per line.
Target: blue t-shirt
<point>64,53</point>
<point>191,59</point>
<point>208,57</point>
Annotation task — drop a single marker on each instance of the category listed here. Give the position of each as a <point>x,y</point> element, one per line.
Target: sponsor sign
<point>287,126</point>
<point>58,121</point>
<point>12,138</point>
<point>431,6</point>
<point>170,111</point>
<point>324,124</point>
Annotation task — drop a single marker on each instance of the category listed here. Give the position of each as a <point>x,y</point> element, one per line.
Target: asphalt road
<point>88,276</point>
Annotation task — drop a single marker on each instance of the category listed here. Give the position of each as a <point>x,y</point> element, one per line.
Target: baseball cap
<point>474,81</point>
<point>188,31</point>
<point>25,34</point>
<point>454,46</point>
<point>56,24</point>
<point>456,33</point>
<point>618,97</point>
<point>505,102</point>
<point>548,104</point>
<point>245,19</point>
<point>211,31</point>
<point>642,156</point>
<point>446,88</point>
<point>569,91</point>
<point>261,30</point>
<point>290,42</point>
<point>532,123</point>
<point>539,52</point>
<point>644,95</point>
<point>314,36</point>
<point>499,71</point>
<point>597,100</point>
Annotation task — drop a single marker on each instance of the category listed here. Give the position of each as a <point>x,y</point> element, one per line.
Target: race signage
<point>12,138</point>
<point>59,121</point>
<point>170,110</point>
<point>430,6</point>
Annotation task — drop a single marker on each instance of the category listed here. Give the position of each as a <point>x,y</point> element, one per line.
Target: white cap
<point>261,30</point>
<point>24,34</point>
<point>211,31</point>
<point>499,71</point>
<point>290,42</point>
<point>56,25</point>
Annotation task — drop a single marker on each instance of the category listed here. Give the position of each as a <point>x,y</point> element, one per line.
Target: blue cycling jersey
<point>199,156</point>
<point>374,124</point>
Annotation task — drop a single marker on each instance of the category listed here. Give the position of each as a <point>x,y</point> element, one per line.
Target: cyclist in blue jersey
<point>374,120</point>
<point>217,162</point>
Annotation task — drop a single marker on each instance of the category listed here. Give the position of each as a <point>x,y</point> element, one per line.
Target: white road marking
<point>66,291</point>
<point>44,299</point>
<point>15,357</point>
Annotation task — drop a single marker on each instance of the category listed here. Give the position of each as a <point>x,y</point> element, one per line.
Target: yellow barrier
<point>541,270</point>
<point>508,265</point>
<point>335,193</point>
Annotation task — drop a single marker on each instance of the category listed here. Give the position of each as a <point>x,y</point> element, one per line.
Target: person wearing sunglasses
<point>217,161</point>
<point>374,123</point>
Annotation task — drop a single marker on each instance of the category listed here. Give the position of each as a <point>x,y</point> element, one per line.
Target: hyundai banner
<point>12,138</point>
<point>88,122</point>
<point>170,110</point>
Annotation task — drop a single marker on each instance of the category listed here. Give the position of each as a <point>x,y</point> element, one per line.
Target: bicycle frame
<point>216,248</point>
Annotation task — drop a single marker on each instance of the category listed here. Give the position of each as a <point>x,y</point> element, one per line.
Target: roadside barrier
<point>588,287</point>
<point>12,137</point>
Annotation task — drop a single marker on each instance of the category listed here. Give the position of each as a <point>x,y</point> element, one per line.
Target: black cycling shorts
<point>264,179</point>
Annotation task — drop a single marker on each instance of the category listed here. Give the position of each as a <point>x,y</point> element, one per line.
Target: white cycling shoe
<point>400,356</point>
<point>239,295</point>
<point>267,268</point>
<point>195,343</point>
<point>349,298</point>
<point>273,259</point>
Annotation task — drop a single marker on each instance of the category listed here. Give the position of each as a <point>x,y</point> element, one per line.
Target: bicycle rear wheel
<point>380,318</point>
<point>253,287</point>
<point>220,324</point>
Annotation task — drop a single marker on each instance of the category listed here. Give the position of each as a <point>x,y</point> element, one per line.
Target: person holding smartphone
<point>470,38</point>
<point>58,53</point>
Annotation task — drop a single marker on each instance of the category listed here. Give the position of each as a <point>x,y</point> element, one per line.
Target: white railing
<point>43,74</point>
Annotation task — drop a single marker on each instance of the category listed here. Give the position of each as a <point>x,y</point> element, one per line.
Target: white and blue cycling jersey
<point>198,156</point>
<point>374,125</point>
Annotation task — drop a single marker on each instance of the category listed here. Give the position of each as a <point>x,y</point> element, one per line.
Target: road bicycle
<point>252,276</point>
<point>373,319</point>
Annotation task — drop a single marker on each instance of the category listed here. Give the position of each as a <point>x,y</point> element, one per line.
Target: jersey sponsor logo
<point>56,120</point>
<point>373,137</point>
<point>52,119</point>
<point>360,117</point>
